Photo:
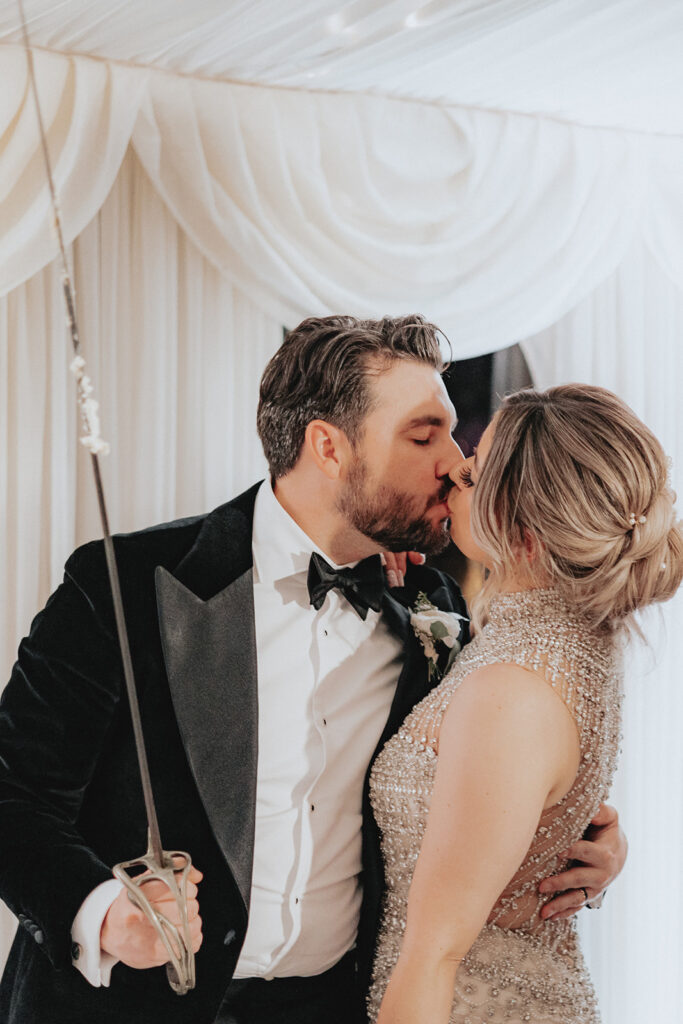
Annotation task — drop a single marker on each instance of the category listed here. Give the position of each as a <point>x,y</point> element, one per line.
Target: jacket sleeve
<point>54,716</point>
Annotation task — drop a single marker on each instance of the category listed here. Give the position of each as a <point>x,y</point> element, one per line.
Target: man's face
<point>397,483</point>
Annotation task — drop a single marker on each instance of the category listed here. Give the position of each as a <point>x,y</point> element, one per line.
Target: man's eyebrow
<point>427,421</point>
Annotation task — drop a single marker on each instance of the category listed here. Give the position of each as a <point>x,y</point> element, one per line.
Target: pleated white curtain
<point>626,336</point>
<point>175,352</point>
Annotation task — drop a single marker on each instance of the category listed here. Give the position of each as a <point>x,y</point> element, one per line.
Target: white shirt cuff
<point>94,964</point>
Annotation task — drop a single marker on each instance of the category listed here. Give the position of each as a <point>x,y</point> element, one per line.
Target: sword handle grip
<point>176,940</point>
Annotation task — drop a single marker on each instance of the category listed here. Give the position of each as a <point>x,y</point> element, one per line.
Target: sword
<point>170,867</point>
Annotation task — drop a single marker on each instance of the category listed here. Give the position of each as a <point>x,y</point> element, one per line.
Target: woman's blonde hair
<point>576,486</point>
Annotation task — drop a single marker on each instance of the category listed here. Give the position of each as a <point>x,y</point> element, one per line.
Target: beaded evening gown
<point>520,968</point>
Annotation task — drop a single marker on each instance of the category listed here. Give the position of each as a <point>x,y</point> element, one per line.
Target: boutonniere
<point>439,633</point>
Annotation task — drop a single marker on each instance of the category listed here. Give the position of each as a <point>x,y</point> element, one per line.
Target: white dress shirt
<point>326,680</point>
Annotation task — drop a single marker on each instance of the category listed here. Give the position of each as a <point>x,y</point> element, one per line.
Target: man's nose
<point>451,461</point>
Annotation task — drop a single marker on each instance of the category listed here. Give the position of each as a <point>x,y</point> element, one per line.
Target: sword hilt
<point>176,940</point>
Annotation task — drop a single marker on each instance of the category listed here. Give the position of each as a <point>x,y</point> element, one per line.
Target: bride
<point>499,770</point>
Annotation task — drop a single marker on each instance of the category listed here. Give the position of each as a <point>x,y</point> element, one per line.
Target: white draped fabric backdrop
<point>203,216</point>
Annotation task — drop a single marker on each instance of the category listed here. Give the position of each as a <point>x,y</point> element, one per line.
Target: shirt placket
<point>323,657</point>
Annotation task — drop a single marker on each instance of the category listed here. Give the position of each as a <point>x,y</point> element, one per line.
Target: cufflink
<point>75,951</point>
<point>38,936</point>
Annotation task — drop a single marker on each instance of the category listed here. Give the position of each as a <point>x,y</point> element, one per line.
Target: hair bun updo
<point>576,470</point>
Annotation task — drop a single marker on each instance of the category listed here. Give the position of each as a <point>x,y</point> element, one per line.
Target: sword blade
<point>112,568</point>
<point>128,674</point>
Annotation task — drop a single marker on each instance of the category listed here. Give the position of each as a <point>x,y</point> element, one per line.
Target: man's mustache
<point>441,495</point>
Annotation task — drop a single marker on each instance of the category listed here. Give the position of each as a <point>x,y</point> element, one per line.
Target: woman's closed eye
<point>466,476</point>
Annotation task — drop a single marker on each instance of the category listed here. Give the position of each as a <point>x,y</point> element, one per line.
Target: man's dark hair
<point>321,372</point>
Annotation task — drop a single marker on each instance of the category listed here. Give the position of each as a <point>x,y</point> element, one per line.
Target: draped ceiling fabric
<point>494,225</point>
<point>513,169</point>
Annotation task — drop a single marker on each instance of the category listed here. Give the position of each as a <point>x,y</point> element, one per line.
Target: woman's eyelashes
<point>466,476</point>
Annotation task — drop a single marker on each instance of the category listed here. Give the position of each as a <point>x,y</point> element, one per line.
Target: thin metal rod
<point>129,676</point>
<point>112,569</point>
<point>68,291</point>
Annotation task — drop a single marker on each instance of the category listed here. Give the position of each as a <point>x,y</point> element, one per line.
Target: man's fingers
<point>159,956</point>
<point>157,891</point>
<point>195,929</point>
<point>606,816</point>
<point>565,914</point>
<point>575,878</point>
<point>171,911</point>
<point>197,937</point>
<point>192,910</point>
<point>130,936</point>
<point>564,905</point>
<point>162,893</point>
<point>157,951</point>
<point>588,852</point>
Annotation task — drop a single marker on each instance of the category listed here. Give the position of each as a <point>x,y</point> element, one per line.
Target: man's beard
<point>391,517</point>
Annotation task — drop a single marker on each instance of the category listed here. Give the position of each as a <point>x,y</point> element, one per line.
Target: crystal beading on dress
<point>520,968</point>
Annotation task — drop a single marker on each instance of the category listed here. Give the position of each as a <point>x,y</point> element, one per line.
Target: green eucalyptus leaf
<point>438,630</point>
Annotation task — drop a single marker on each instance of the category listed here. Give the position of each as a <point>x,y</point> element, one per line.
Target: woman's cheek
<point>459,506</point>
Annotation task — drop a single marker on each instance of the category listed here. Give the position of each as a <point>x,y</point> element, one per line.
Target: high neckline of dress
<point>535,602</point>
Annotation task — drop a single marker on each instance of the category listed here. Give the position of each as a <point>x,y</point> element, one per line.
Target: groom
<point>268,679</point>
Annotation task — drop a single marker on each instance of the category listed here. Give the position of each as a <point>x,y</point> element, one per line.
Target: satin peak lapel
<point>412,682</point>
<point>210,654</point>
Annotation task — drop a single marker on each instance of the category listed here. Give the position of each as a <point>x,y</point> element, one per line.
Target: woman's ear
<point>328,447</point>
<point>531,547</point>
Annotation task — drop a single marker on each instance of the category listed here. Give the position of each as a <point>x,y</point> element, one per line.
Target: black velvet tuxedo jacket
<point>70,798</point>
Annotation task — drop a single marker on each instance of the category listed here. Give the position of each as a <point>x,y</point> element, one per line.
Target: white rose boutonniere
<point>436,629</point>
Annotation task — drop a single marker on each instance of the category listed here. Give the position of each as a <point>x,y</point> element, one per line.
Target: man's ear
<point>328,447</point>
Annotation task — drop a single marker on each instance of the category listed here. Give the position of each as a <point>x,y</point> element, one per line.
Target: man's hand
<point>395,564</point>
<point>128,935</point>
<point>598,859</point>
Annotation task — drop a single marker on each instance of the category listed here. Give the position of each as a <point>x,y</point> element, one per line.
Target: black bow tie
<point>362,586</point>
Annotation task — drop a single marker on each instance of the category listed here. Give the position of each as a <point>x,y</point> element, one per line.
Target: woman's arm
<point>508,747</point>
